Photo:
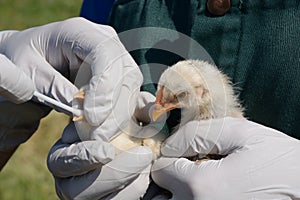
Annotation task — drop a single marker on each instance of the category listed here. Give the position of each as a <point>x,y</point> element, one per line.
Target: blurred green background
<point>26,175</point>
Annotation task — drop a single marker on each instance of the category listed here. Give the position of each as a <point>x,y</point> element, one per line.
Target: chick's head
<point>200,89</point>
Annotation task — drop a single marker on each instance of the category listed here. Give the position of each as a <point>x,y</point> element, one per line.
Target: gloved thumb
<point>213,136</point>
<point>194,138</point>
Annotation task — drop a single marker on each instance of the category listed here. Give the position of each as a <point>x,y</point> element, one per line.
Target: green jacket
<point>257,43</point>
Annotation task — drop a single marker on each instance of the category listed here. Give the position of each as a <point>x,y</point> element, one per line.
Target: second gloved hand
<point>90,169</point>
<point>255,156</point>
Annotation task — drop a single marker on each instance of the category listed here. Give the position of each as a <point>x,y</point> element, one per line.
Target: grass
<point>20,14</point>
<point>26,175</point>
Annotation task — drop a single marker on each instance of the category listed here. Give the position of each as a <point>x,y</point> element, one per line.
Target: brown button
<point>218,7</point>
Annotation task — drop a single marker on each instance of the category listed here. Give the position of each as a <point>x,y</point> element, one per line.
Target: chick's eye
<point>181,95</point>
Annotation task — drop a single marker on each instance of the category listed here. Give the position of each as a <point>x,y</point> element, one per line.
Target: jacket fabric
<point>256,43</point>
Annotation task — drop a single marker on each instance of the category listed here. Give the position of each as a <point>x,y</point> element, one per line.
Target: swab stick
<point>76,112</point>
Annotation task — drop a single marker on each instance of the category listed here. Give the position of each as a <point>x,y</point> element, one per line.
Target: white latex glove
<point>120,119</point>
<point>262,163</point>
<point>51,56</point>
<point>71,157</point>
<point>15,85</point>
<point>90,170</point>
<point>45,53</point>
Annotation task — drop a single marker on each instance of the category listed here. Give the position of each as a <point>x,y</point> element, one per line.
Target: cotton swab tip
<point>45,98</point>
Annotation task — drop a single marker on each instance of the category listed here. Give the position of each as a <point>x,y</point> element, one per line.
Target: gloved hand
<point>262,163</point>
<point>51,55</point>
<point>15,85</point>
<point>90,169</point>
<point>45,53</point>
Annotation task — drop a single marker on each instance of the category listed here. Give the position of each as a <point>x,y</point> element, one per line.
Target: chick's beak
<point>160,108</point>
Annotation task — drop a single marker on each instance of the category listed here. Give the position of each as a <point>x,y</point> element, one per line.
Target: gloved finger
<point>187,141</point>
<point>121,112</point>
<point>65,160</point>
<point>145,107</point>
<point>216,136</point>
<point>144,103</point>
<point>104,88</point>
<point>15,85</point>
<point>102,50</point>
<point>184,178</point>
<point>112,177</point>
<point>135,190</point>
<point>6,34</point>
<point>50,82</point>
